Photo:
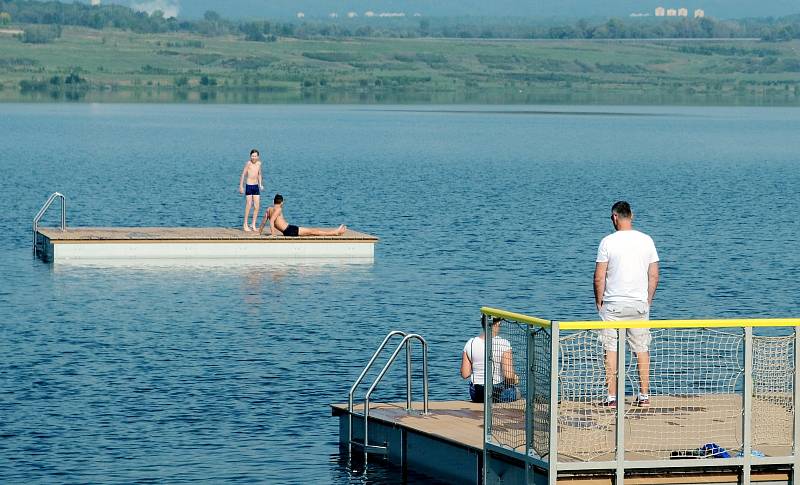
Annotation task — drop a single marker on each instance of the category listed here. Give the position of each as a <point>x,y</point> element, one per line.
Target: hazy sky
<point>523,8</point>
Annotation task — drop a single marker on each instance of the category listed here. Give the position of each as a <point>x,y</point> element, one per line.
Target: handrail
<point>361,378</point>
<point>699,323</point>
<point>403,343</point>
<point>42,211</point>
<point>685,323</point>
<point>494,312</point>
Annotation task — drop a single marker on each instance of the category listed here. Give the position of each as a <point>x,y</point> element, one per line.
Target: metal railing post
<point>488,370</point>
<point>620,456</point>
<point>63,213</point>
<point>487,397</point>
<point>425,405</point>
<point>552,461</point>
<point>529,389</point>
<point>366,429</point>
<point>795,394</point>
<point>747,403</point>
<point>408,377</point>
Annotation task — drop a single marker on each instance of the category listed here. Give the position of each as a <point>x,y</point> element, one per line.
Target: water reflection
<point>528,96</point>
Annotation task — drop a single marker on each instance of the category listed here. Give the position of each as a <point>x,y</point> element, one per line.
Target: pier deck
<point>448,443</point>
<point>193,242</point>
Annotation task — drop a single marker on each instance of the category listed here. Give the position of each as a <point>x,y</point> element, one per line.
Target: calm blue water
<point>198,373</point>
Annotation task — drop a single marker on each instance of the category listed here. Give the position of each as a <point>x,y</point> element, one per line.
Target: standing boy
<point>252,191</point>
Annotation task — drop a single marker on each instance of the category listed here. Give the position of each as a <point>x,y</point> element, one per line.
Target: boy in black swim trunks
<point>252,170</point>
<point>277,223</point>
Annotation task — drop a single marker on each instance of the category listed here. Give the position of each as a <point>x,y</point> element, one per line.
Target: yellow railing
<point>494,312</point>
<point>700,323</point>
<point>597,325</point>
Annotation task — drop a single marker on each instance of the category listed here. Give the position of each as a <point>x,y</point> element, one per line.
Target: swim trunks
<point>251,190</point>
<point>291,231</point>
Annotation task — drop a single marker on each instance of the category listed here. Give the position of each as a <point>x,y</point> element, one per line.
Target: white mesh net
<point>508,401</point>
<point>773,391</point>
<point>509,404</point>
<point>696,377</point>
<point>585,429</point>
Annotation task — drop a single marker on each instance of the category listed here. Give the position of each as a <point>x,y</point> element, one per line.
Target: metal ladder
<point>37,247</point>
<point>405,342</point>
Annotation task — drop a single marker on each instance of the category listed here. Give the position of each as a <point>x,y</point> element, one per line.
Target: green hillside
<point>115,65</point>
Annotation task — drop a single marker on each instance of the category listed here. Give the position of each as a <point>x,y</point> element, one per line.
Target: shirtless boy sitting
<point>274,215</point>
<point>252,172</point>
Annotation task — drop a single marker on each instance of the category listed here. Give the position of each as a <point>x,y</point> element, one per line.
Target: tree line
<point>55,13</point>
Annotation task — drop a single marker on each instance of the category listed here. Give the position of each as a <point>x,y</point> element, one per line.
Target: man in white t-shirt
<point>625,281</point>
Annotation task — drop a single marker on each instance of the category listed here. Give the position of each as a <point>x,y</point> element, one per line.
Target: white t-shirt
<point>475,349</point>
<point>628,254</point>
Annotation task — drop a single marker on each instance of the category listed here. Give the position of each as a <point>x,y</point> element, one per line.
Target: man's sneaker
<point>609,403</point>
<point>642,401</point>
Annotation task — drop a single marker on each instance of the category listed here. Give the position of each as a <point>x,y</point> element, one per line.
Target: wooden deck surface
<point>164,234</point>
<point>587,430</point>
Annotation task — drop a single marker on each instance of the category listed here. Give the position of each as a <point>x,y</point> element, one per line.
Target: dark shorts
<point>500,393</point>
<point>291,231</point>
<point>251,190</point>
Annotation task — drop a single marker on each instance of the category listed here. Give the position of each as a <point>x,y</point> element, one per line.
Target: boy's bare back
<point>274,216</point>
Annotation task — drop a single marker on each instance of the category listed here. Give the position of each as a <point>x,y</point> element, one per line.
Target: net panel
<point>539,373</point>
<point>773,391</point>
<point>508,400</point>
<point>586,430</point>
<point>696,377</point>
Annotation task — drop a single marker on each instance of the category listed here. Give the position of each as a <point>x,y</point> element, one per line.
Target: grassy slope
<point>121,61</point>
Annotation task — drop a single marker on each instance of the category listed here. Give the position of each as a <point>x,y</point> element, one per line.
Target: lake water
<point>224,373</point>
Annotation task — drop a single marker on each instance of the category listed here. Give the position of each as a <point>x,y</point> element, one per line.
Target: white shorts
<point>638,338</point>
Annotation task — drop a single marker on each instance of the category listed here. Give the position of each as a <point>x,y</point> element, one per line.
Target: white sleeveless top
<point>475,349</point>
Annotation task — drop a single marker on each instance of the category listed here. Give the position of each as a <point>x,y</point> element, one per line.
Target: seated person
<point>503,376</point>
<point>274,214</point>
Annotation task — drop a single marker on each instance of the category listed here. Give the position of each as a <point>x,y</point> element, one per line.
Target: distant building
<point>369,13</point>
<point>699,13</point>
<point>392,14</point>
<point>683,12</point>
<point>95,3</point>
<point>640,14</point>
<point>333,15</point>
<point>660,11</point>
<point>352,15</point>
<point>671,12</point>
<point>301,15</point>
<point>417,14</point>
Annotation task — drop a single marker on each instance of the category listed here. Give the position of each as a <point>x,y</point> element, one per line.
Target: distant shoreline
<point>85,65</point>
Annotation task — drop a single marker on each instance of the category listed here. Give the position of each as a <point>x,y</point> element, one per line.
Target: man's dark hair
<point>255,151</point>
<point>278,199</point>
<point>622,209</point>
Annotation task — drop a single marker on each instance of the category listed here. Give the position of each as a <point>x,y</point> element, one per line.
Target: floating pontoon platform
<point>106,243</point>
<point>185,243</point>
<point>447,444</point>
